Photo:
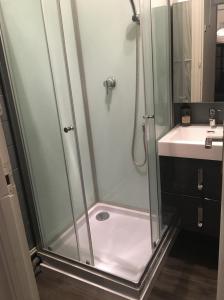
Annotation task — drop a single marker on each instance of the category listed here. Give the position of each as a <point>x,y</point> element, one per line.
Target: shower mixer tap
<point>110,83</point>
<point>136,16</point>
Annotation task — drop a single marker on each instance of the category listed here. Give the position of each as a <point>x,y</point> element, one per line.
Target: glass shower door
<point>42,100</point>
<point>150,118</point>
<point>155,19</point>
<point>124,222</point>
<point>72,121</point>
<point>89,119</point>
<point>161,45</point>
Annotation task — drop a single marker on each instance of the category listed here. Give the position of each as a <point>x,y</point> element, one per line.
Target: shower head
<point>135,17</point>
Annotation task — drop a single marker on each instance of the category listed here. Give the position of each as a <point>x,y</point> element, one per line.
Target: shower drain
<point>102,216</point>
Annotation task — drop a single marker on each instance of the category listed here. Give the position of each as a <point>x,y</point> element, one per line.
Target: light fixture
<point>220,35</point>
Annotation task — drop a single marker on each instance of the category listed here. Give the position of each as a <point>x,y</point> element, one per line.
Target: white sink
<point>189,142</point>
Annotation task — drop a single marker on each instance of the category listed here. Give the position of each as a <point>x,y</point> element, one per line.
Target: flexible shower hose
<point>137,163</point>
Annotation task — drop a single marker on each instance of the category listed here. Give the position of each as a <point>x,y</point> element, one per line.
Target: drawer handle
<point>200,179</point>
<point>200,217</point>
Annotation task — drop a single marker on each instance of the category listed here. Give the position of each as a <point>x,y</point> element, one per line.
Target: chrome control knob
<point>110,83</point>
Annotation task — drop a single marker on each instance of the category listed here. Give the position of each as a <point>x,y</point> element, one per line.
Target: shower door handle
<point>69,128</point>
<point>145,117</point>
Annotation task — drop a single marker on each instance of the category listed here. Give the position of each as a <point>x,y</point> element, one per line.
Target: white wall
<point>109,49</point>
<point>62,48</point>
<point>109,42</point>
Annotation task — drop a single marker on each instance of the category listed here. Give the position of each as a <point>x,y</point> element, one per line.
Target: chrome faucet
<point>210,140</point>
<point>212,119</point>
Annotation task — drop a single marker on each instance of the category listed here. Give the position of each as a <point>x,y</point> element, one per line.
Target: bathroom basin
<point>189,142</point>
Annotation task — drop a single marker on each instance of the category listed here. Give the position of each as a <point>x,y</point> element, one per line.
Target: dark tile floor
<point>189,273</point>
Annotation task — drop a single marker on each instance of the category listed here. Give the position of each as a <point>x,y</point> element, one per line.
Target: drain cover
<point>102,216</point>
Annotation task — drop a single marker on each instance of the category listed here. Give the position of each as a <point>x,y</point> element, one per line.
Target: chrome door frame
<point>75,132</point>
<point>75,20</point>
<point>220,283</point>
<point>146,33</point>
<point>147,41</point>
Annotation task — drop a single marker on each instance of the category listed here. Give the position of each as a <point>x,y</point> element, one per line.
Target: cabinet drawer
<point>191,177</point>
<point>212,179</point>
<point>178,176</point>
<point>191,210</point>
<point>187,208</point>
<point>212,212</point>
<point>197,214</point>
<point>201,215</point>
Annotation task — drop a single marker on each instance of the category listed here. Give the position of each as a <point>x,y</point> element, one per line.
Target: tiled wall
<point>16,172</point>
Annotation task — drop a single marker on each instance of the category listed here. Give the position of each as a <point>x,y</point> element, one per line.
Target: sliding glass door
<point>45,113</point>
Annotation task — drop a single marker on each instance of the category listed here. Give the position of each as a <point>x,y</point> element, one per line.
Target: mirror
<point>198,50</point>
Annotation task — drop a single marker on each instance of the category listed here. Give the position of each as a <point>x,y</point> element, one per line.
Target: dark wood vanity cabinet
<point>193,187</point>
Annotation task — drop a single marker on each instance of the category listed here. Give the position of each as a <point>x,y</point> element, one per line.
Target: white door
<point>17,281</point>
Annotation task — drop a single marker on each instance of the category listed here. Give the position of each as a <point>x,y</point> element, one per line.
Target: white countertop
<point>189,142</point>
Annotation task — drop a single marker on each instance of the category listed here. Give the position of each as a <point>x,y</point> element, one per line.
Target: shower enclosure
<point>90,82</point>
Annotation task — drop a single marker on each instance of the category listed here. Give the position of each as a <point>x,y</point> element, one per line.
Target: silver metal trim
<point>200,217</point>
<point>88,273</point>
<point>107,292</point>
<point>75,20</point>
<point>220,285</point>
<point>146,33</point>
<point>160,260</point>
<point>146,116</point>
<point>75,132</point>
<point>63,146</point>
<point>106,280</point>
<point>200,179</point>
<point>33,251</point>
<point>146,113</point>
